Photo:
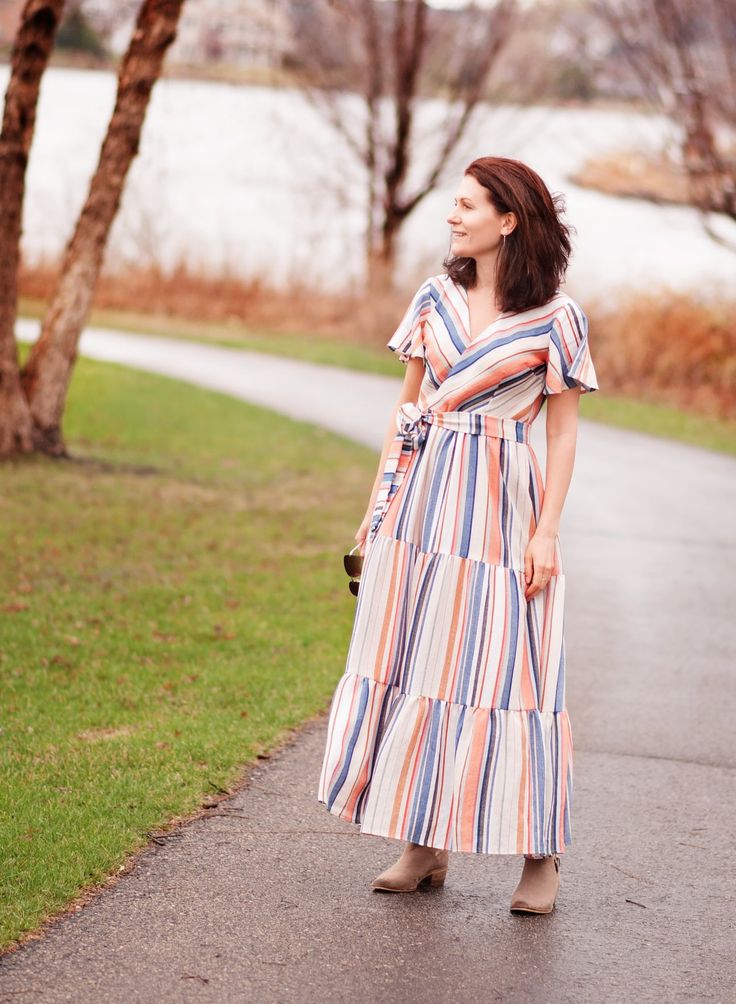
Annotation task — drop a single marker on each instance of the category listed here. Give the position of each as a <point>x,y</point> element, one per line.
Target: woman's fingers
<point>528,575</point>
<point>360,536</point>
<point>539,572</point>
<point>528,568</point>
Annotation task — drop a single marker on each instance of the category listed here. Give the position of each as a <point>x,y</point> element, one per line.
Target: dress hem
<point>375,831</point>
<point>379,736</point>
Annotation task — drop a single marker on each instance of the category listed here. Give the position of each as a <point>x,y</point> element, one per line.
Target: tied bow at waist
<point>411,423</point>
<point>412,426</point>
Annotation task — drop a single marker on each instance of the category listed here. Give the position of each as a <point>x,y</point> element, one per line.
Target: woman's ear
<point>509,223</point>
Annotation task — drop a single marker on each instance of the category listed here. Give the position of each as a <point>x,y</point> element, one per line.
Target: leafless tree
<point>45,378</point>
<point>391,55</point>
<point>34,41</point>
<point>683,52</point>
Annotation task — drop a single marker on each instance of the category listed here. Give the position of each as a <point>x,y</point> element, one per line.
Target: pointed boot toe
<point>418,865</point>
<point>538,886</point>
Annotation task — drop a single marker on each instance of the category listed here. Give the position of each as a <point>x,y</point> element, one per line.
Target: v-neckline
<point>470,340</point>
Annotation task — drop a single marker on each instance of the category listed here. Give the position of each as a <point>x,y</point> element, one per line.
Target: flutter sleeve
<point>408,339</point>
<point>569,362</point>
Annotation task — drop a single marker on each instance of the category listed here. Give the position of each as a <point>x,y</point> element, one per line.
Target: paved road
<point>268,897</point>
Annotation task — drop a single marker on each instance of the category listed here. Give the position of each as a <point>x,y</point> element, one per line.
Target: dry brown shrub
<point>669,347</point>
<point>229,298</point>
<point>661,346</point>
<point>637,175</point>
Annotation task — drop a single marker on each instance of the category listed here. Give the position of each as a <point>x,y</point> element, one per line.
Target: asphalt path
<point>267,897</point>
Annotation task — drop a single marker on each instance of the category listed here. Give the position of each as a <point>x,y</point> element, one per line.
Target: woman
<point>448,728</point>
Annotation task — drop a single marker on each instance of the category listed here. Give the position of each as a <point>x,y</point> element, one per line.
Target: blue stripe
<point>469,495</point>
<point>364,690</point>
<point>429,758</point>
<point>511,635</point>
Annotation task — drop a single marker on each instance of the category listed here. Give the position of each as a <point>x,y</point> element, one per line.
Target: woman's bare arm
<point>562,434</point>
<point>562,431</point>
<point>409,392</point>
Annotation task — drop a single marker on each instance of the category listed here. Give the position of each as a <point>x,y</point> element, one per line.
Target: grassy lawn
<point>296,345</point>
<point>660,420</point>
<point>627,413</point>
<point>174,603</point>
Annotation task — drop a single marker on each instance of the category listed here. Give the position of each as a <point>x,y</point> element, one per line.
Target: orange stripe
<point>404,779</point>
<point>382,647</point>
<point>450,655</point>
<point>473,772</point>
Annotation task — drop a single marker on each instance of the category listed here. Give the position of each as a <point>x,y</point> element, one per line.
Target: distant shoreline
<point>241,76</point>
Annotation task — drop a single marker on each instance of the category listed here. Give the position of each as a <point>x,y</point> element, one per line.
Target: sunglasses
<point>353,566</point>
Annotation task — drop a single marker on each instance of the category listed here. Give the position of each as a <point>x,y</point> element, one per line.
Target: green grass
<point>626,413</point>
<point>660,420</point>
<point>295,345</point>
<point>174,603</point>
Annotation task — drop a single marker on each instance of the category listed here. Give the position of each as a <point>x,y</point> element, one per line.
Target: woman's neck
<point>485,273</point>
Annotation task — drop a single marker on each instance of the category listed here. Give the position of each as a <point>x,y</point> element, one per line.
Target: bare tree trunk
<point>696,109</point>
<point>31,50</point>
<point>47,375</point>
<point>682,53</point>
<point>379,51</point>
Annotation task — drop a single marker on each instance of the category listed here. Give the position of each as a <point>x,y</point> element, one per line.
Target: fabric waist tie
<point>412,425</point>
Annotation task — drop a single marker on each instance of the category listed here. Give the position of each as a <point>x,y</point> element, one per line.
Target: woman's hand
<point>362,533</point>
<point>539,562</point>
<point>409,392</point>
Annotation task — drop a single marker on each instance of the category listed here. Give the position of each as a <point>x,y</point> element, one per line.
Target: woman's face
<point>477,226</point>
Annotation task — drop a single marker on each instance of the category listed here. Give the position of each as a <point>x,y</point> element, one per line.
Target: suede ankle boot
<point>417,864</point>
<point>538,885</point>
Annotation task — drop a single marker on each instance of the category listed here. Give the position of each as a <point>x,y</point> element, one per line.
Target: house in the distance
<point>245,33</point>
<point>9,21</point>
<point>238,32</point>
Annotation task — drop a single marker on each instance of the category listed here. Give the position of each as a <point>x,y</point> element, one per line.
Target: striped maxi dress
<point>449,726</point>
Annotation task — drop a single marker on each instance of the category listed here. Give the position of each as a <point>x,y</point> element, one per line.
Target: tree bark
<point>682,54</point>
<point>356,46</point>
<point>31,50</point>
<point>47,375</point>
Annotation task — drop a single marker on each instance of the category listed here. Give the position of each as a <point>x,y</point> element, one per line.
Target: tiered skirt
<point>448,726</point>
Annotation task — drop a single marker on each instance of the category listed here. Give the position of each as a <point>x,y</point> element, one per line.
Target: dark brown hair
<point>533,258</point>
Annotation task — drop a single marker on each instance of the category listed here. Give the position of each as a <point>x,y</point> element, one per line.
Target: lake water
<point>252,179</point>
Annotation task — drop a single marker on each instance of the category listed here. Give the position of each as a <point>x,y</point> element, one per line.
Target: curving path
<point>268,899</point>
